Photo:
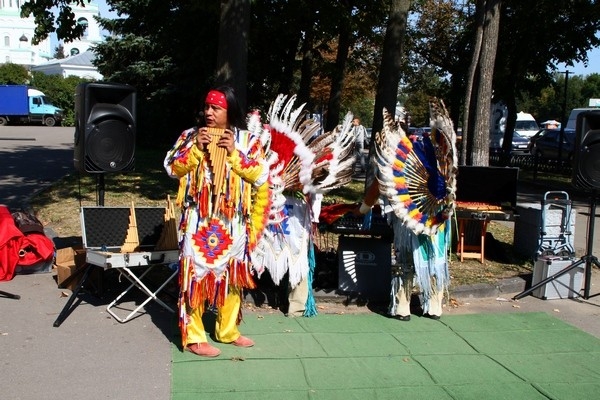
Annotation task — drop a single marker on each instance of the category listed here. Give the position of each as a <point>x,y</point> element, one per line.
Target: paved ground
<point>32,158</point>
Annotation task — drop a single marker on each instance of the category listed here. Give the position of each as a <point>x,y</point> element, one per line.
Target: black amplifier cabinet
<point>364,267</point>
<point>492,185</point>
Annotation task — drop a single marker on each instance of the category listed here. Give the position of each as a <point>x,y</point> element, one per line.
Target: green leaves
<point>13,74</point>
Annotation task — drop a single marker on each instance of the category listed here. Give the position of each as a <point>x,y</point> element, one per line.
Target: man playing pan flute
<point>223,194</point>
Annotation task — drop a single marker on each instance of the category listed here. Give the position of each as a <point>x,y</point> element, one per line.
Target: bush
<point>61,92</point>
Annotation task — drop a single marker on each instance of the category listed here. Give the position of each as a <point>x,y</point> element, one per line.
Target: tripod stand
<point>9,295</point>
<point>588,259</point>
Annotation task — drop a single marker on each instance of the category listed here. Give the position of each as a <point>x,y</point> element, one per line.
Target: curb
<point>478,290</point>
<point>483,290</point>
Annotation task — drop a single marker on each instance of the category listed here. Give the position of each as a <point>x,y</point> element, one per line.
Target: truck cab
<point>42,110</point>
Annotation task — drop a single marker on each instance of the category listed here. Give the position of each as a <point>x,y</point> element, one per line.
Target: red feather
<point>283,146</point>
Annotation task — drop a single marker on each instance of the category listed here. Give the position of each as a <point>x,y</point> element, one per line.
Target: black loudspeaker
<point>586,158</point>
<point>104,127</point>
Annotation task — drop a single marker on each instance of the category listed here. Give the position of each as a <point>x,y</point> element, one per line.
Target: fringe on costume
<point>196,292</point>
<point>427,254</point>
<point>310,309</point>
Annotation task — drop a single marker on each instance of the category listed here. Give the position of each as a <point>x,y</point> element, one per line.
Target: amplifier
<point>354,225</point>
<point>364,267</point>
<point>565,286</point>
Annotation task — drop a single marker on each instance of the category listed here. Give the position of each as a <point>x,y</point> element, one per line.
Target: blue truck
<point>20,104</point>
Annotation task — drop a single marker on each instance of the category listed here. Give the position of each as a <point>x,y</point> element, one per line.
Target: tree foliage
<point>13,74</point>
<point>167,51</point>
<point>60,90</point>
<point>59,52</point>
<point>62,22</point>
<point>574,92</point>
<point>334,55</point>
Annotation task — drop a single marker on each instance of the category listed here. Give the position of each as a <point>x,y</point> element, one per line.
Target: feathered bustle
<point>300,160</point>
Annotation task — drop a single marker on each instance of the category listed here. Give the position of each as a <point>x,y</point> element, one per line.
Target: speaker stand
<point>588,259</point>
<point>9,295</point>
<point>100,189</point>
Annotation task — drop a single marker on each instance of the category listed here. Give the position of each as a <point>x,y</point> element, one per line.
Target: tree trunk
<point>467,136</point>
<point>337,76</point>
<point>306,69</point>
<point>511,118</point>
<point>389,72</point>
<point>391,60</point>
<point>232,57</point>
<point>481,133</point>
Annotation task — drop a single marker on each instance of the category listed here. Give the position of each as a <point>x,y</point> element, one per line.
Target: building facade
<point>80,65</point>
<point>16,34</point>
<point>84,16</point>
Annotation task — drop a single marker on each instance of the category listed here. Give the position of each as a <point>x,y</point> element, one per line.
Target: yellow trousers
<point>226,329</point>
<point>297,298</point>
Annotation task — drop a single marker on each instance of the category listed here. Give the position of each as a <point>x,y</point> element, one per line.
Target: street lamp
<point>564,116</point>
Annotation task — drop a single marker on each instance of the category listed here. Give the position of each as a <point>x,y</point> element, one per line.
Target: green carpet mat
<point>368,356</point>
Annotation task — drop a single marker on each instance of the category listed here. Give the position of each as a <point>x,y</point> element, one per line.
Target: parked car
<point>520,144</point>
<point>546,143</point>
<point>413,130</point>
<point>426,129</point>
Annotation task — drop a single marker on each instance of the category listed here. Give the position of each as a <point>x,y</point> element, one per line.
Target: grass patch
<point>149,185</point>
<point>501,261</point>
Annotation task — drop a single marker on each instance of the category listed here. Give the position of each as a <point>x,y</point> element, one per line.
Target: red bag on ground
<point>35,248</point>
<point>10,244</point>
<point>19,249</point>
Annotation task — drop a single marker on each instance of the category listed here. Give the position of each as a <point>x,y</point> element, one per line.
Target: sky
<point>593,66</point>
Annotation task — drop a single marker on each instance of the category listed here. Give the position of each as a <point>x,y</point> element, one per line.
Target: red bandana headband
<point>217,98</point>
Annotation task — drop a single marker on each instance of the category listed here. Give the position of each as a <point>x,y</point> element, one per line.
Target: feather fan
<point>418,176</point>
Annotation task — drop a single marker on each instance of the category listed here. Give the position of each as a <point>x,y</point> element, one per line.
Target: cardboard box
<point>68,261</point>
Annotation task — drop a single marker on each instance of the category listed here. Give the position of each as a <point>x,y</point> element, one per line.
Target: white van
<point>526,125</point>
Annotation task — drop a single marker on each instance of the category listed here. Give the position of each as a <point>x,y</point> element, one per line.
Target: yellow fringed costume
<point>215,239</point>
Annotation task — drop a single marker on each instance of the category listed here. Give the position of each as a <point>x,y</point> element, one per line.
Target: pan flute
<point>216,159</point>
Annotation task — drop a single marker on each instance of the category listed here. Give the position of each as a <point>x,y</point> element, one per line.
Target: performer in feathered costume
<point>304,166</point>
<point>417,177</point>
<point>221,219</point>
